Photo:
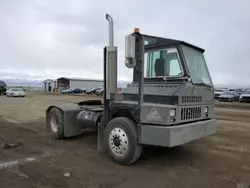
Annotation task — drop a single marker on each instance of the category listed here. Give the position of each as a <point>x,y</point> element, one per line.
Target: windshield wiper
<point>203,84</point>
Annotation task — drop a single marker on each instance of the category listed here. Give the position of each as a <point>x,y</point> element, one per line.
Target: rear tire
<point>56,123</point>
<point>121,141</point>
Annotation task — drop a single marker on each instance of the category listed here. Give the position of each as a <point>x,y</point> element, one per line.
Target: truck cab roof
<point>154,42</point>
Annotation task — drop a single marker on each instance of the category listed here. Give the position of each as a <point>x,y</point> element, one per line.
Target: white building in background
<point>73,83</point>
<point>49,85</point>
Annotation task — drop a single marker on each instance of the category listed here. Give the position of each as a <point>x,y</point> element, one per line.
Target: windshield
<point>197,66</point>
<point>219,90</point>
<point>239,90</point>
<point>162,63</point>
<point>247,92</point>
<point>228,93</point>
<point>16,89</point>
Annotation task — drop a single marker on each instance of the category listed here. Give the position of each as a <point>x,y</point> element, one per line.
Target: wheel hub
<point>54,124</point>
<point>118,141</point>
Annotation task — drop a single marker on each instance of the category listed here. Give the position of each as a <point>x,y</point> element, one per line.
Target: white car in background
<point>15,92</point>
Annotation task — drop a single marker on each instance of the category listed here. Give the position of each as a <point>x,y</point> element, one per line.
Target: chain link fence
<point>28,88</point>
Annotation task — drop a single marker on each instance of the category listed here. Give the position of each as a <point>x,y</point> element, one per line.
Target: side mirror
<point>130,61</point>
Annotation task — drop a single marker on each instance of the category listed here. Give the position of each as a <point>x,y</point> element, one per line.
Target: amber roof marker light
<point>136,30</point>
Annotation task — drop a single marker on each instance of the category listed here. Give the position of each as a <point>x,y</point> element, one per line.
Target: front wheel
<point>121,141</point>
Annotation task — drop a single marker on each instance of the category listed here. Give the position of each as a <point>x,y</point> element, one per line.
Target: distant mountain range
<point>23,82</point>
<point>39,83</point>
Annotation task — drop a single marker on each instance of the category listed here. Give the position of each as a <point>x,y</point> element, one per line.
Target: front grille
<point>190,113</point>
<point>246,99</point>
<point>189,99</point>
<point>225,99</point>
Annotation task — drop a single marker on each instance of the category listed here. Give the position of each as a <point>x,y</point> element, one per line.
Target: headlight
<point>206,110</point>
<point>172,113</point>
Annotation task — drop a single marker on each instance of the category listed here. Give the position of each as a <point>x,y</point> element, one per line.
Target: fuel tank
<point>88,119</point>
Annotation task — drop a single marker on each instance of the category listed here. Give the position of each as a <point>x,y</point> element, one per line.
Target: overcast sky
<point>53,38</point>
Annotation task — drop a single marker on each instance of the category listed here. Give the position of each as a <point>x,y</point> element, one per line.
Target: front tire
<point>121,141</point>
<point>56,123</point>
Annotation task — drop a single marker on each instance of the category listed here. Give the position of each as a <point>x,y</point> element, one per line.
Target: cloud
<point>49,39</point>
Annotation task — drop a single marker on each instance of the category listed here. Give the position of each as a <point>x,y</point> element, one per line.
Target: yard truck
<point>170,101</point>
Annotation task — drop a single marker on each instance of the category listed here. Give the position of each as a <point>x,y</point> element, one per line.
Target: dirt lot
<point>222,160</point>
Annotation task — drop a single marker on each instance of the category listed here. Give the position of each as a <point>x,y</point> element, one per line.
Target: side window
<point>172,62</point>
<point>164,62</point>
<point>146,64</point>
<point>175,69</point>
<point>153,57</point>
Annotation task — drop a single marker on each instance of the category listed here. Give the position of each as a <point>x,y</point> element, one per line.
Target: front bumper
<point>245,99</point>
<point>171,136</point>
<point>216,96</point>
<point>225,99</point>
<point>18,95</point>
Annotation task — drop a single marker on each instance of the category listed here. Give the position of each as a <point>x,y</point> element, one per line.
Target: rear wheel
<point>121,141</point>
<point>56,123</point>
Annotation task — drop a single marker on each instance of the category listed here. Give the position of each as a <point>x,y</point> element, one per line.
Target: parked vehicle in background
<point>88,91</point>
<point>229,97</point>
<point>99,92</point>
<point>218,92</point>
<point>77,90</point>
<point>2,87</point>
<point>245,97</point>
<point>84,90</point>
<point>66,91</point>
<point>92,90</point>
<point>15,92</point>
<point>239,91</point>
<point>232,90</point>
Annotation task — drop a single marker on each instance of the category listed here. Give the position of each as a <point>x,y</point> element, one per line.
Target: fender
<point>70,110</point>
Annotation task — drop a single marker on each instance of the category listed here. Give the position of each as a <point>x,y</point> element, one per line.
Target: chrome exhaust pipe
<point>111,30</point>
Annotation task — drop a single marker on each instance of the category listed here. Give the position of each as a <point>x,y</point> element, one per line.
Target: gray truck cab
<point>178,94</point>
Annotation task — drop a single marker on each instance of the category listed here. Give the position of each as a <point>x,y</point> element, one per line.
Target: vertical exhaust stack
<point>110,83</point>
<point>111,30</point>
<point>110,71</point>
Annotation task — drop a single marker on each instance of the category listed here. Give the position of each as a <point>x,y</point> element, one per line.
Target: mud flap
<point>100,138</point>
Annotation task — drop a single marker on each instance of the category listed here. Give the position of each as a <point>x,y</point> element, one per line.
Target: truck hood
<point>226,96</point>
<point>218,92</point>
